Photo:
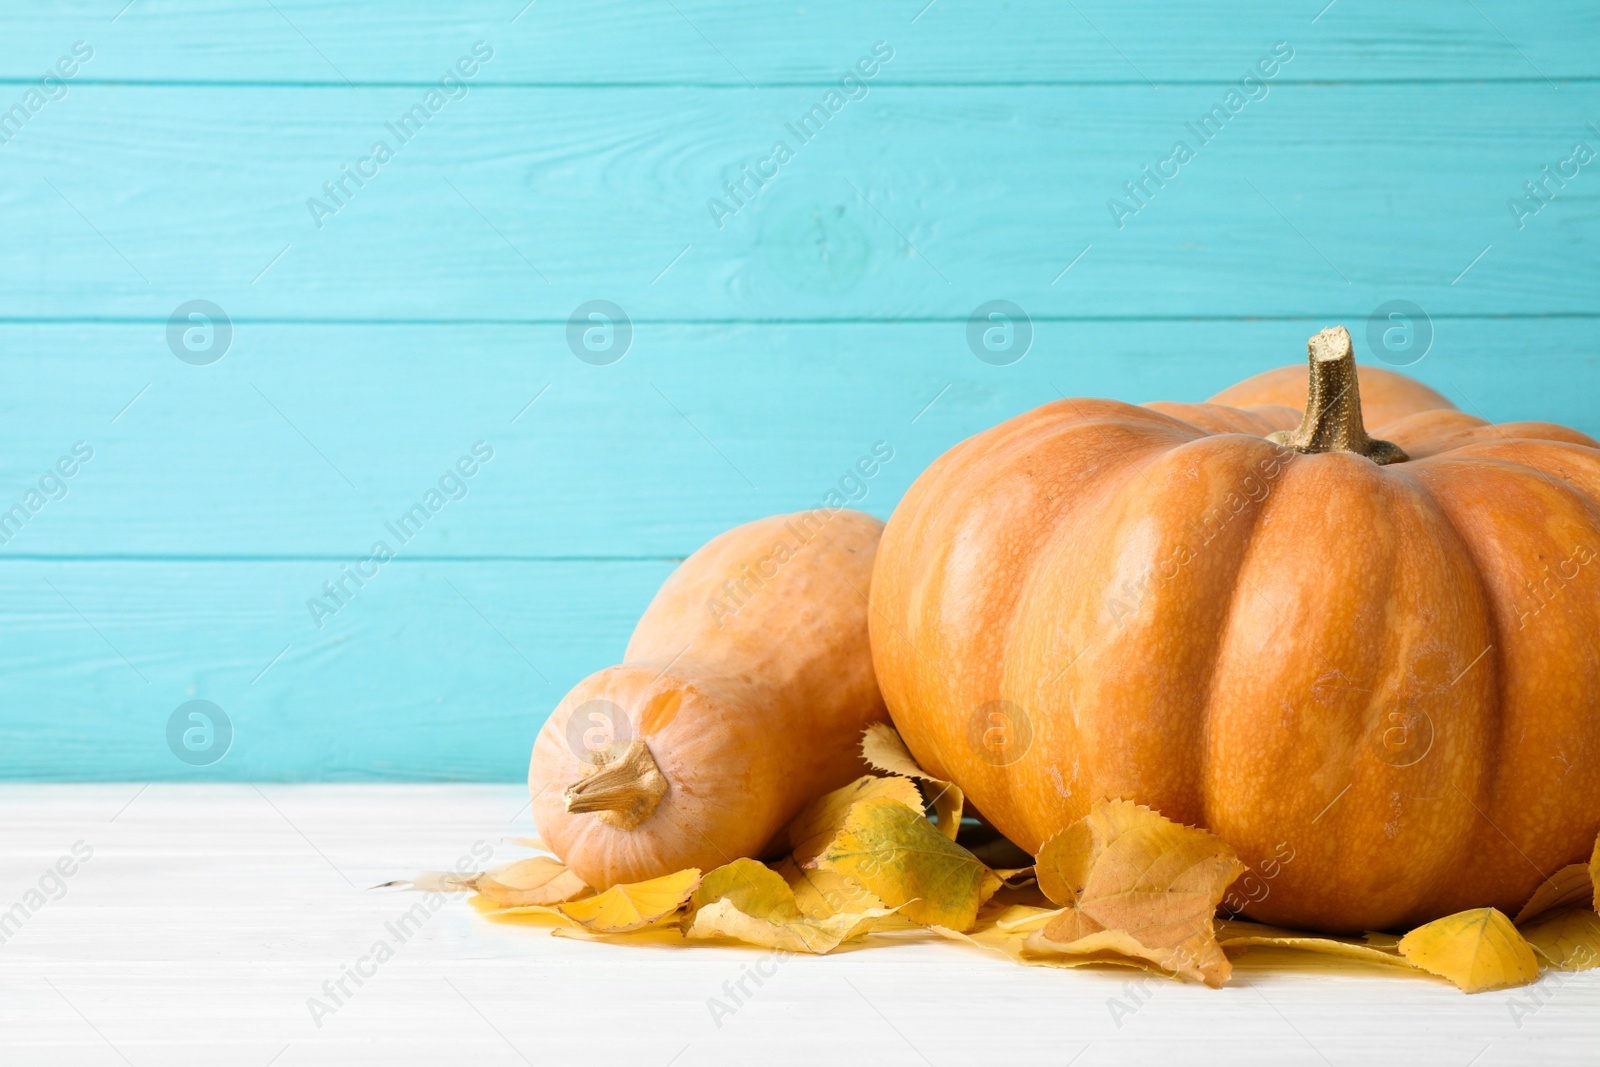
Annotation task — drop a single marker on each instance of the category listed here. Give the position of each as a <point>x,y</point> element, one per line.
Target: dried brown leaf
<point>1135,882</point>
<point>1006,931</point>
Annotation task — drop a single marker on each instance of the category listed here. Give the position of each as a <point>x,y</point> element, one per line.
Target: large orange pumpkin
<point>1372,666</point>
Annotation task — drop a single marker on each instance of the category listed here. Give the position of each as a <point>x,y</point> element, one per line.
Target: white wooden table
<point>208,916</point>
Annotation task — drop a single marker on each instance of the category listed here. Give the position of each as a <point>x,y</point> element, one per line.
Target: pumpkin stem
<point>623,786</point>
<point>1332,422</point>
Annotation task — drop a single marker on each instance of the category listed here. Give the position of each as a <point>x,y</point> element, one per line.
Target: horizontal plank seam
<point>844,320</point>
<point>160,557</point>
<point>339,776</point>
<point>222,83</point>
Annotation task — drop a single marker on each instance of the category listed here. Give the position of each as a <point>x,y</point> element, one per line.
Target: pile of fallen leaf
<point>1122,886</point>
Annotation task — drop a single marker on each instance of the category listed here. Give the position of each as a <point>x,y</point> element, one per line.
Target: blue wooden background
<point>1382,162</point>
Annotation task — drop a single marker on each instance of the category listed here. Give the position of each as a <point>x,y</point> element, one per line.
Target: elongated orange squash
<point>744,693</point>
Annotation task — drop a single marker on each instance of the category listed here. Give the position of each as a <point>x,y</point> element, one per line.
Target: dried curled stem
<point>1332,422</point>
<point>623,787</point>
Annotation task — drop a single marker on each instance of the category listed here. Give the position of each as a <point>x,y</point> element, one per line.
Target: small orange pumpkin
<point>1371,665</point>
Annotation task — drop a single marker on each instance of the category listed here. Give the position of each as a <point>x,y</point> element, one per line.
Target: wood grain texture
<point>520,204</point>
<point>719,43</point>
<point>826,314</point>
<point>207,916</point>
<point>697,429</point>
<point>431,671</point>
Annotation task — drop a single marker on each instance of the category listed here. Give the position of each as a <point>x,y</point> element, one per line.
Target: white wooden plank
<point>208,915</point>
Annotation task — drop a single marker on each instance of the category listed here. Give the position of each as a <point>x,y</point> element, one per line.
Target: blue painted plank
<point>433,672</point>
<point>521,204</point>
<point>696,429</point>
<point>444,663</point>
<point>734,44</point>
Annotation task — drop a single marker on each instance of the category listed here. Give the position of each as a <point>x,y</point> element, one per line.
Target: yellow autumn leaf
<point>814,827</point>
<point>1000,929</point>
<point>434,882</point>
<point>1478,950</point>
<point>1134,881</point>
<point>1568,940</point>
<point>820,893</point>
<point>537,880</point>
<point>662,932</point>
<point>1064,943</point>
<point>883,748</point>
<point>1236,934</point>
<point>1567,886</point>
<point>524,915</point>
<point>1378,939</point>
<point>1013,945</point>
<point>903,860</point>
<point>1594,873</point>
<point>1007,930</point>
<point>1024,918</point>
<point>535,843</point>
<point>633,906</point>
<point>749,902</point>
<point>987,937</point>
